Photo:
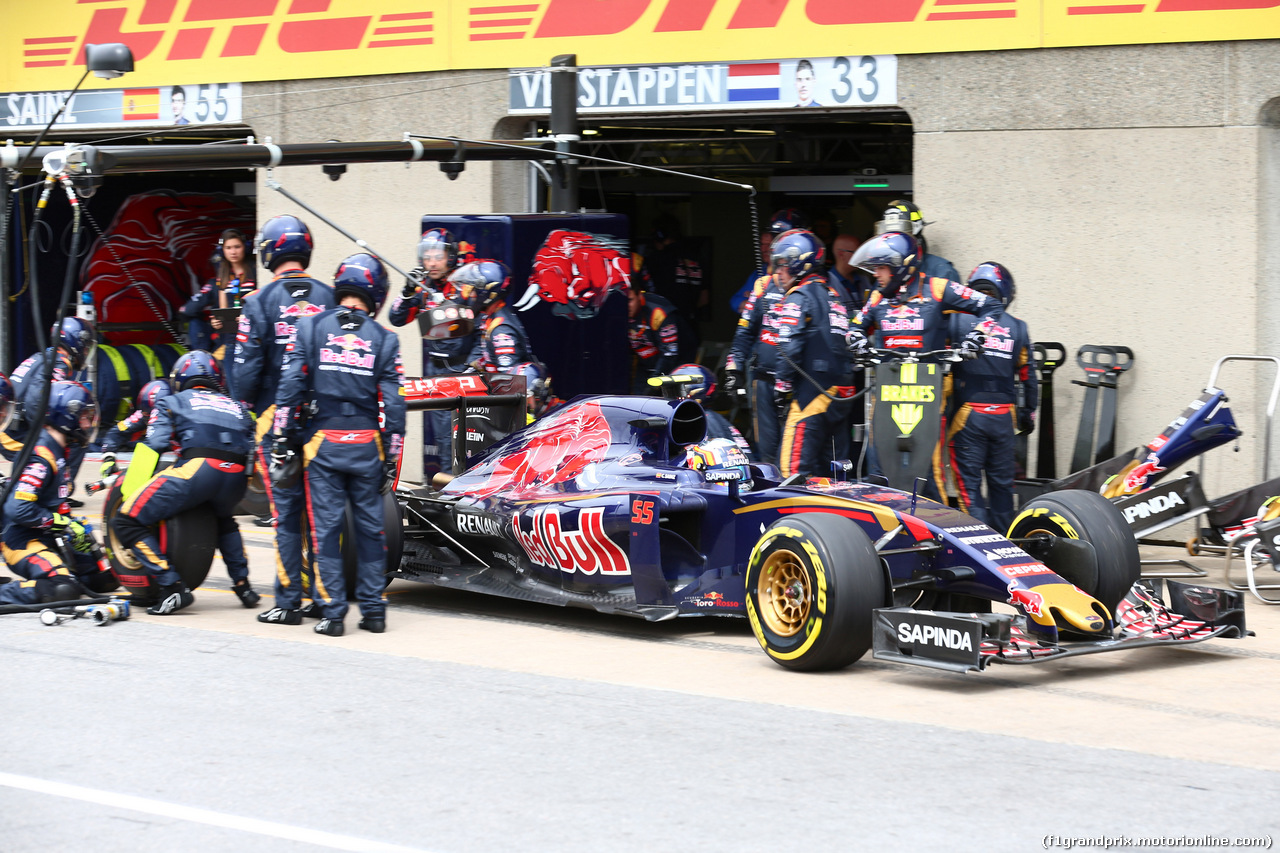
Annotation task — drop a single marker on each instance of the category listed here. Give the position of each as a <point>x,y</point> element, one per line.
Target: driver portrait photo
<point>178,101</point>
<point>806,81</point>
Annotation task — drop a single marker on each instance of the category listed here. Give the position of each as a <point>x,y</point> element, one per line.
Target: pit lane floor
<point>479,724</point>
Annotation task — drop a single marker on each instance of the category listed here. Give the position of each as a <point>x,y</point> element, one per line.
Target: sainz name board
<point>836,81</point>
<point>212,103</point>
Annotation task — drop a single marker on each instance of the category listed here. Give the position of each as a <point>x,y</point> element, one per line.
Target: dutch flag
<point>754,81</point>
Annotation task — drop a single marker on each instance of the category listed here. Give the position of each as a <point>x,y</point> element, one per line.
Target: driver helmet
<point>720,461</point>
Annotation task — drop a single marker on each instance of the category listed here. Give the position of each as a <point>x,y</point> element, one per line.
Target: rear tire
<point>255,500</point>
<point>394,528</point>
<point>1089,517</point>
<point>812,583</point>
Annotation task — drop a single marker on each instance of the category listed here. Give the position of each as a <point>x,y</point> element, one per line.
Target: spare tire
<point>189,540</point>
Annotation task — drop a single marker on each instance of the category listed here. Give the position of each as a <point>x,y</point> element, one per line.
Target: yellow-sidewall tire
<point>812,582</point>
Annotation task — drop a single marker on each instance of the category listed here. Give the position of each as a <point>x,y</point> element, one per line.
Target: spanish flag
<point>141,105</point>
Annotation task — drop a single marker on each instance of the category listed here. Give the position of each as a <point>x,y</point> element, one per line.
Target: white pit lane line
<point>195,815</point>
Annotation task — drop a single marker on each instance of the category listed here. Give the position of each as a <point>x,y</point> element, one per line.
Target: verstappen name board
<point>840,81</point>
<point>186,41</point>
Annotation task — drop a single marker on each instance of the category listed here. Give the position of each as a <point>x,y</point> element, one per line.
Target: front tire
<point>812,583</point>
<point>1088,517</point>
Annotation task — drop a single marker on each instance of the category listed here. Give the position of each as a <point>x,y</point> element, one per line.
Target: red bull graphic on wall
<point>575,272</point>
<point>159,254</point>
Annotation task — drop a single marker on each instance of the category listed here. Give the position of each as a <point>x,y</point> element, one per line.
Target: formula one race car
<point>619,505</point>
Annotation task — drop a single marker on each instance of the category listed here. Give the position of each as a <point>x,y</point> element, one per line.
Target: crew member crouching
<point>35,511</point>
<point>214,436</point>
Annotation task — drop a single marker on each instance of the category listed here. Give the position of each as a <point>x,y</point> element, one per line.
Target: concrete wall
<point>1131,192</point>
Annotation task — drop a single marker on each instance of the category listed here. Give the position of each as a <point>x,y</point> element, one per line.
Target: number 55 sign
<point>834,81</point>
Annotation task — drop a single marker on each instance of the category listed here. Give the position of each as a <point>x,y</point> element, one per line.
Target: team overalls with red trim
<point>28,543</point>
<point>914,320</point>
<point>349,367</point>
<point>214,437</point>
<point>812,324</point>
<point>267,324</point>
<point>985,422</point>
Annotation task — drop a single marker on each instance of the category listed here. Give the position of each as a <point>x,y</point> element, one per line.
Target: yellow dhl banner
<point>184,41</point>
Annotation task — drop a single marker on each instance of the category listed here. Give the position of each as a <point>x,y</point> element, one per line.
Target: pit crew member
<point>427,286</point>
<point>504,343</point>
<point>904,217</point>
<point>908,313</point>
<point>981,434</point>
<point>35,511</point>
<point>656,331</point>
<point>752,361</point>
<point>814,388</point>
<point>132,429</point>
<point>214,437</point>
<point>349,366</point>
<point>267,323</point>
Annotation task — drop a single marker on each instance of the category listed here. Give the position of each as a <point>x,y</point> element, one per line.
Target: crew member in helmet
<point>656,331</point>
<point>346,368</point>
<point>720,462</point>
<point>35,511</point>
<point>782,221</point>
<point>908,312</point>
<point>214,437</point>
<point>132,429</point>
<point>540,399</point>
<point>427,286</point>
<point>985,390</point>
<point>268,319</point>
<point>905,218</point>
<point>814,385</point>
<point>701,390</point>
<point>504,343</point>
<point>73,343</point>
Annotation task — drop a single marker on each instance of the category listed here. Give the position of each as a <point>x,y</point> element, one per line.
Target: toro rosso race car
<point>615,504</point>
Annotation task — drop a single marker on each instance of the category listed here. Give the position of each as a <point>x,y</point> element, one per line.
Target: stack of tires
<point>121,371</point>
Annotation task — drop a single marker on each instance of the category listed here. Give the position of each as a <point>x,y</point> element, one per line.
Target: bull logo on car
<point>1136,480</point>
<point>1030,601</point>
<point>575,272</point>
<point>555,451</point>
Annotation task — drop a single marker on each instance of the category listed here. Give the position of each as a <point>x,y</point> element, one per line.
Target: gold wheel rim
<point>784,593</point>
<point>122,554</point>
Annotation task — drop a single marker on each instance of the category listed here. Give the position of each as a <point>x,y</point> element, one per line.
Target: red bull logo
<point>1031,602</point>
<point>902,311</point>
<point>301,308</point>
<point>575,272</point>
<point>558,449</point>
<point>587,550</point>
<point>1136,480</point>
<point>995,329</point>
<point>348,342</point>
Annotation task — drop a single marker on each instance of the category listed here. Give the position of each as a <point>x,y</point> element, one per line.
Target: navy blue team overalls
<point>268,321</point>
<point>214,436</point>
<point>347,368</point>
<point>28,538</point>
<point>812,324</point>
<point>439,358</point>
<point>505,343</point>
<point>754,348</point>
<point>914,320</point>
<point>985,421</point>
